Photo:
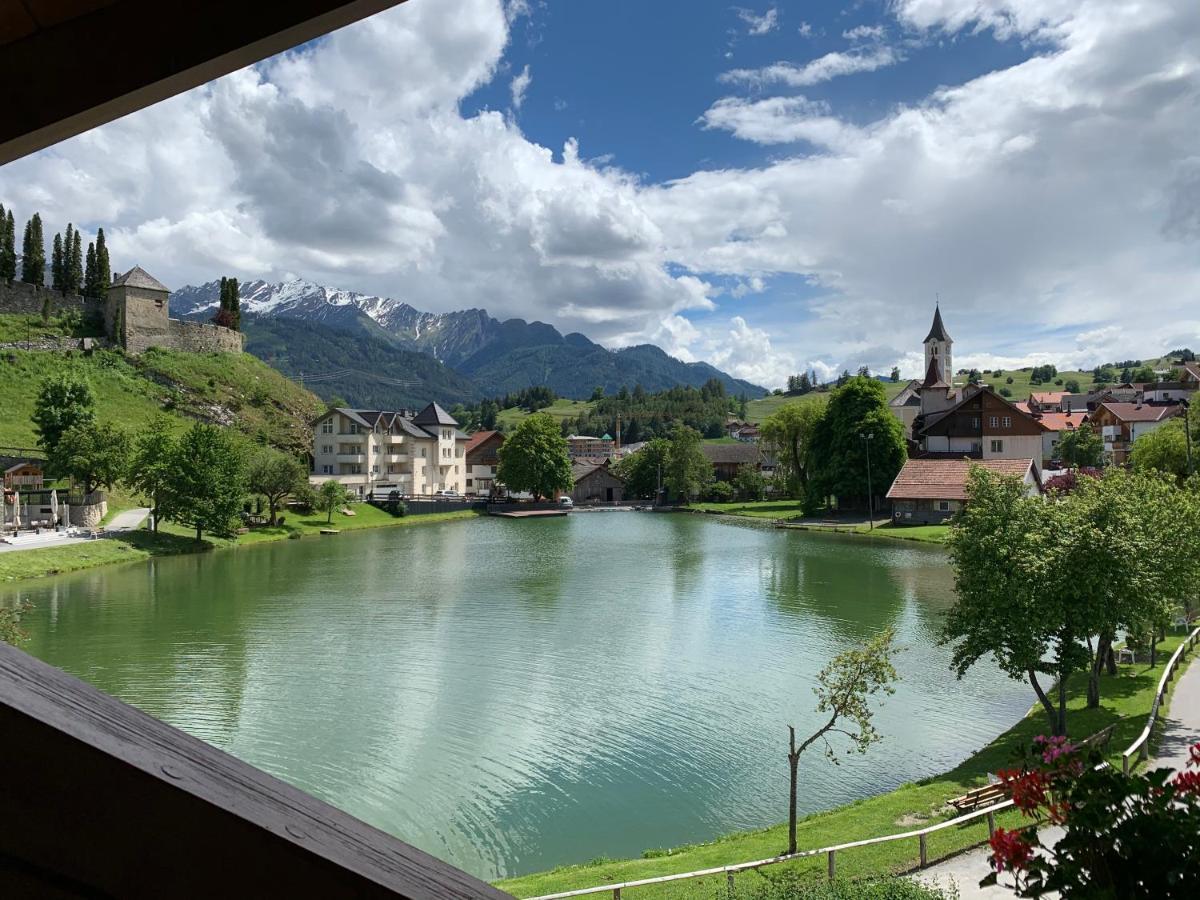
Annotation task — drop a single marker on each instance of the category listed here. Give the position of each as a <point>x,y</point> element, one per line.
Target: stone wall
<point>22,297</point>
<point>89,515</point>
<point>200,337</point>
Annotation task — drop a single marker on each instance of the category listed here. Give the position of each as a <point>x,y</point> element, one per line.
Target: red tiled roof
<point>1141,412</point>
<point>1062,421</point>
<point>1192,368</point>
<point>946,479</point>
<point>478,438</point>
<point>1050,397</point>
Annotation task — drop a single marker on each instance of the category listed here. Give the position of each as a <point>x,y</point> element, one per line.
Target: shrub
<point>720,492</point>
<point>1005,392</point>
<point>790,885</point>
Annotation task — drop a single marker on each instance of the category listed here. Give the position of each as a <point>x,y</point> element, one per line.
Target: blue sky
<point>772,187</point>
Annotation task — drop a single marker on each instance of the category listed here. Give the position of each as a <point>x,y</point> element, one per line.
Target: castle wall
<point>20,297</point>
<point>200,337</point>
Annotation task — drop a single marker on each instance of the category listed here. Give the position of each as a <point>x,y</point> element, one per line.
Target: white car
<point>566,501</point>
<point>453,495</point>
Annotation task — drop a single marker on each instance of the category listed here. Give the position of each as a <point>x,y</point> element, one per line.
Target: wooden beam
<point>96,67</point>
<point>100,799</point>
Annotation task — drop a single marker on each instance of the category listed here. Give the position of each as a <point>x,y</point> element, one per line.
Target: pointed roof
<point>933,377</point>
<point>433,415</point>
<point>937,331</point>
<point>140,278</point>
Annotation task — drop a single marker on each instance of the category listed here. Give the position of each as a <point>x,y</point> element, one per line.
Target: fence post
<point>832,864</point>
<point>729,882</point>
<point>991,819</point>
<point>924,851</point>
<point>1124,763</point>
<point>616,894</point>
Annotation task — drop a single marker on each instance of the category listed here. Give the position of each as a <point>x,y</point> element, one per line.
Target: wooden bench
<point>1099,740</point>
<point>988,795</point>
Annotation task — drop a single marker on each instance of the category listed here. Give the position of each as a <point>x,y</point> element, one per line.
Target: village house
<point>983,425</point>
<point>1055,425</point>
<point>372,451</point>
<point>930,491</point>
<point>483,458</point>
<point>747,434</point>
<point>24,476</point>
<point>1189,374</point>
<point>726,459</point>
<point>585,445</point>
<point>1120,424</point>
<point>596,483</point>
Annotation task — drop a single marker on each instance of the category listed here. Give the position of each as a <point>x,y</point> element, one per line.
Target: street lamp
<point>870,493</point>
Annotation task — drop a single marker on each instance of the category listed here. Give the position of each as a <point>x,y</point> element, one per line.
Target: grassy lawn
<point>757,509</point>
<point>173,539</point>
<point>794,509</point>
<point>1125,702</point>
<point>560,409</point>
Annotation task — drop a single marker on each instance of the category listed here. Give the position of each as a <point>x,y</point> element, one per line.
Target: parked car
<point>449,495</point>
<point>566,501</point>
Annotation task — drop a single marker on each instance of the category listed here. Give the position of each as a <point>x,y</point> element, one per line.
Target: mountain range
<point>379,351</point>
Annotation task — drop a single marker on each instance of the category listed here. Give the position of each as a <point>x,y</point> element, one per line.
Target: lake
<point>514,695</point>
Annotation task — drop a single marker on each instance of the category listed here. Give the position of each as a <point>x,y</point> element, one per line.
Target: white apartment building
<point>368,451</point>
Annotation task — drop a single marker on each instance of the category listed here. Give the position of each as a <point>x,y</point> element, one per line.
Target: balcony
<point>396,457</point>
<point>350,458</point>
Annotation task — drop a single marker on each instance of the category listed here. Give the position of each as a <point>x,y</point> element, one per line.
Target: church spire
<point>938,331</point>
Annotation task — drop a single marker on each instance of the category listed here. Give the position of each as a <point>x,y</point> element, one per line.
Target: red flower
<point>1187,782</point>
<point>1027,789</point>
<point>1010,850</point>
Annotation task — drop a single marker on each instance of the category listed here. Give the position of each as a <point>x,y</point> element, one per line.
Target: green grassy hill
<point>560,409</point>
<point>236,390</point>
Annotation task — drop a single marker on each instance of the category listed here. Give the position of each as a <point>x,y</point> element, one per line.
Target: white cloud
<point>824,68</point>
<point>780,120</point>
<point>759,24</point>
<point>748,286</point>
<point>805,30</point>
<point>519,86</point>
<point>746,352</point>
<point>864,33</point>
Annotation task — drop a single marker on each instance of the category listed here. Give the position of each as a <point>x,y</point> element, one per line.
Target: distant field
<point>560,409</point>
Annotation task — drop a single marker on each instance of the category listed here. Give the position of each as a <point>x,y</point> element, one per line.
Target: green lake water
<point>513,695</point>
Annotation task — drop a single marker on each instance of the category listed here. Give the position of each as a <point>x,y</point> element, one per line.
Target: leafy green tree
<point>91,289</point>
<point>8,246</point>
<point>749,483</point>
<point>1144,375</point>
<point>895,374</point>
<point>1163,450</point>
<point>1072,386</point>
<point>788,433</point>
<point>838,448</point>
<point>844,690</point>
<point>331,496</point>
<point>93,455</point>
<point>719,491</point>
<point>276,476</point>
<point>33,252</point>
<point>210,480</point>
<point>152,467</point>
<point>597,394</point>
<point>1081,448</point>
<point>64,401</point>
<point>686,470</point>
<point>534,458</point>
<point>641,471</point>
<point>57,268</point>
<point>103,267</point>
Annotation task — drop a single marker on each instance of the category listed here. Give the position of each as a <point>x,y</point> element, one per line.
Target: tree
<point>642,471</point>
<point>331,496</point>
<point>974,376</point>
<point>864,372</point>
<point>63,401</point>
<point>749,483</point>
<point>91,289</point>
<point>57,267</point>
<point>597,393</point>
<point>999,608</point>
<point>844,690</point>
<point>1163,450</point>
<point>1126,375</point>
<point>276,476</point>
<point>209,482</point>
<point>8,246</point>
<point>1072,386</point>
<point>1081,448</point>
<point>1144,375</point>
<point>92,455</point>
<point>73,261</point>
<point>686,469</point>
<point>534,458</point>
<point>151,469</point>
<point>788,433</point>
<point>838,450</point>
<point>103,268</point>
<point>33,252</point>
<point>895,373</point>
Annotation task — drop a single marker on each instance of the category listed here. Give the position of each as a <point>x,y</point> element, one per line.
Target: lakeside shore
<point>790,514</point>
<point>1125,704</point>
<point>172,540</point>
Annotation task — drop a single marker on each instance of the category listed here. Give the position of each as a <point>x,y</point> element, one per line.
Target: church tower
<point>937,347</point>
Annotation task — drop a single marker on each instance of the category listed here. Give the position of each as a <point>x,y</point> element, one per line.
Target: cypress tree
<point>33,252</point>
<point>235,305</point>
<point>8,248</point>
<point>91,289</point>
<point>56,264</point>
<point>73,263</point>
<point>103,269</point>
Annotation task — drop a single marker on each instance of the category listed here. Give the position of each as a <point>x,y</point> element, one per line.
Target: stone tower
<point>135,313</point>
<point>937,348</point>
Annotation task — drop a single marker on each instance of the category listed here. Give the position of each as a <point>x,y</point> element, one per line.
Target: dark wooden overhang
<point>70,65</point>
<point>102,800</point>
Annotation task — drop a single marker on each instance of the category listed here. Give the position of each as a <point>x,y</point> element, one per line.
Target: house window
<point>374,470</point>
<point>993,421</point>
<point>997,446</point>
<point>327,427</point>
<point>327,448</point>
<point>422,453</point>
<point>943,506</point>
<point>975,423</point>
<point>469,482</point>
<point>1008,422</point>
<point>326,470</point>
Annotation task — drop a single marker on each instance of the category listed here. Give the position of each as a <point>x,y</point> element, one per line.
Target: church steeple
<point>938,348</point>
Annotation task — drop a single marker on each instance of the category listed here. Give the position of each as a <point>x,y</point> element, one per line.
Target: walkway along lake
<point>515,695</point>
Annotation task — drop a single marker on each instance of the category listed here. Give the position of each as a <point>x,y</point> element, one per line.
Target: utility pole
<point>870,493</point>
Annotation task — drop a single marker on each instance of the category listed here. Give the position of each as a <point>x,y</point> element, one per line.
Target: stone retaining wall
<point>22,297</point>
<point>200,337</point>
<point>89,515</point>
